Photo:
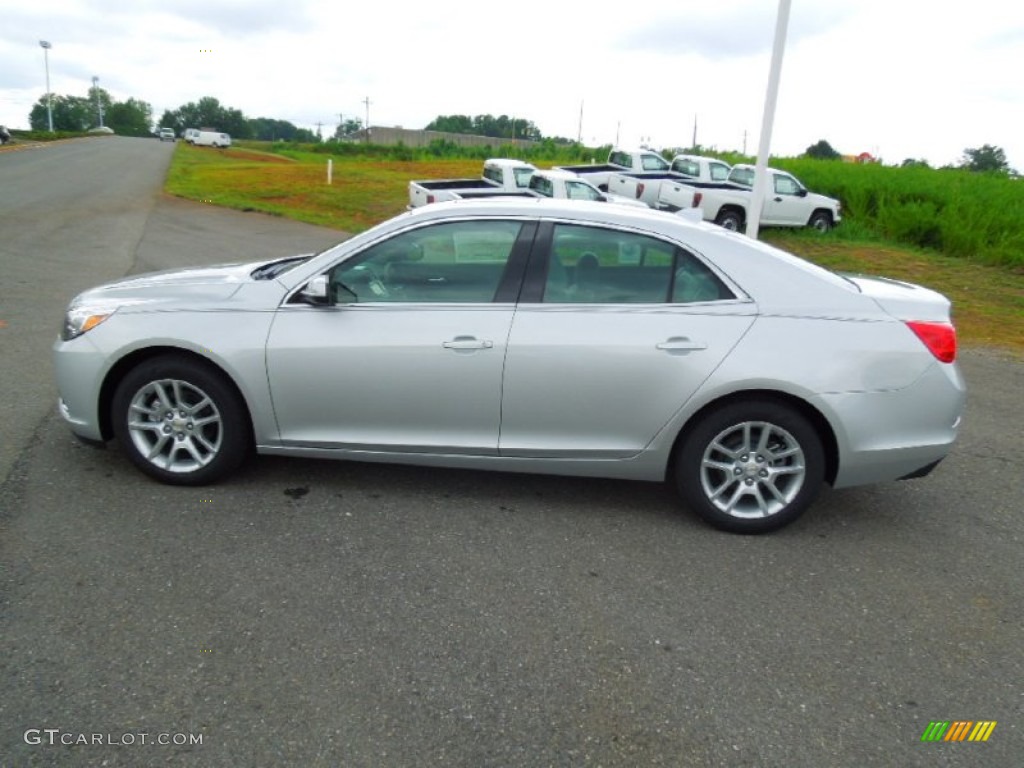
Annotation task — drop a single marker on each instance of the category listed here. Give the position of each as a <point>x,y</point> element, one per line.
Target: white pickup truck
<point>787,202</point>
<point>565,184</point>
<point>693,170</point>
<point>619,161</point>
<point>500,177</point>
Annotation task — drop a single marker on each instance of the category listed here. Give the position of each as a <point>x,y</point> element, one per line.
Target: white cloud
<point>897,77</point>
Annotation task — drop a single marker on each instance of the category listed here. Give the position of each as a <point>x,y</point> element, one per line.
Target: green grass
<point>974,216</point>
<point>987,293</point>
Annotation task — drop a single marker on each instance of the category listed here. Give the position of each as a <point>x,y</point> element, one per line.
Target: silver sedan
<point>531,336</point>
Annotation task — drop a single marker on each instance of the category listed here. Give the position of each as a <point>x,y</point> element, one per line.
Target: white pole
<point>761,174</point>
<point>330,169</point>
<point>45,45</point>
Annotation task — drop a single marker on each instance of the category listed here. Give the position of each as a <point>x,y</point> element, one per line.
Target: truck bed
<point>457,184</point>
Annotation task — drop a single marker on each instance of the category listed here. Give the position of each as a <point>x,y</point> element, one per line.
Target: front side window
<point>460,262</point>
<point>786,185</point>
<point>719,171</point>
<point>653,163</point>
<point>576,190</point>
<point>593,265</point>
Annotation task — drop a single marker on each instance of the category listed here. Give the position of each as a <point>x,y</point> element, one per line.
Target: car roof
<point>507,161</point>
<point>557,173</point>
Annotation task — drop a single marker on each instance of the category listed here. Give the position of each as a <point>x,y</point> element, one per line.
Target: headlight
<point>78,320</point>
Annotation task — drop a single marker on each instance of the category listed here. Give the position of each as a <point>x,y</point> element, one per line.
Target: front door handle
<point>467,342</point>
<point>680,345</point>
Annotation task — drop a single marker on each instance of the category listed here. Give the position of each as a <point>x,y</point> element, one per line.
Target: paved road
<point>322,614</point>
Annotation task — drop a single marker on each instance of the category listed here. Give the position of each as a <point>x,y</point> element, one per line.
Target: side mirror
<point>802,192</point>
<point>317,291</point>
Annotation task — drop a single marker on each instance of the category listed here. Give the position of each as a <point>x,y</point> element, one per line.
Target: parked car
<point>5,135</point>
<point>549,336</point>
<point>501,176</point>
<point>619,161</point>
<point>211,139</point>
<point>787,202</point>
<point>567,185</point>
<point>189,135</point>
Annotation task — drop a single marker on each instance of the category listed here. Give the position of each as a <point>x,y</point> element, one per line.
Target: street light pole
<point>96,92</point>
<point>49,105</point>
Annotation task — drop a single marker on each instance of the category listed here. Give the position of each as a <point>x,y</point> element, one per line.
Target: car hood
<point>191,286</point>
<point>904,301</point>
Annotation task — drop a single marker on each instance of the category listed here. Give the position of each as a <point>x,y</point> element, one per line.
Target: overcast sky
<point>897,78</point>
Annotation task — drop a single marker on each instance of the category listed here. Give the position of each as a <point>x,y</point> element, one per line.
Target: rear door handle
<point>681,344</point>
<point>467,342</point>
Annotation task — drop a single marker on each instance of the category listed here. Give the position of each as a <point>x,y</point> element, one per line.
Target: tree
<point>985,158</point>
<point>910,162</point>
<point>70,113</point>
<point>207,113</point>
<point>823,151</point>
<point>501,127</point>
<point>101,95</point>
<point>348,128</point>
<point>130,118</point>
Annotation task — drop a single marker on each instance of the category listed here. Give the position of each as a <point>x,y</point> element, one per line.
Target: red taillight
<point>430,199</point>
<point>697,197</point>
<point>639,190</point>
<point>940,338</point>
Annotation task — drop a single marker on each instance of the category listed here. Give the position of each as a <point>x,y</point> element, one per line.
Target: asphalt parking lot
<point>321,613</point>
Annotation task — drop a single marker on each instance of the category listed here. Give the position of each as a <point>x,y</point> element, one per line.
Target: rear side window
<point>688,167</point>
<point>620,158</point>
<point>594,265</point>
<point>494,173</point>
<point>542,186</point>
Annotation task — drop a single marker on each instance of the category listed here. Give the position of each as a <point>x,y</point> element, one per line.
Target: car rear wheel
<point>731,220</point>
<point>751,467</point>
<point>180,422</point>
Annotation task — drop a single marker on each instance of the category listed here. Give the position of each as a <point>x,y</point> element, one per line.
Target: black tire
<point>730,219</point>
<point>821,221</point>
<point>765,466</point>
<point>180,421</point>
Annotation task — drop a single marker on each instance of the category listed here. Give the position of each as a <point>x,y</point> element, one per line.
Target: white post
<point>45,45</point>
<point>330,169</point>
<point>761,174</point>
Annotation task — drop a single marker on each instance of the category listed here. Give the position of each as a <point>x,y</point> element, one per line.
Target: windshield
<point>523,177</point>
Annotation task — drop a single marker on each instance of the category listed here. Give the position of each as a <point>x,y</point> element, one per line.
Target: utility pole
<point>366,101</point>
<point>694,145</point>
<point>579,134</point>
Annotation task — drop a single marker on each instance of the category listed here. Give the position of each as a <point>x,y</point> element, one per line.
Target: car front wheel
<point>821,221</point>
<point>751,467</point>
<point>180,422</point>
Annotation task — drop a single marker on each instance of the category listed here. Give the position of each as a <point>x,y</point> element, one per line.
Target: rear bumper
<point>897,434</point>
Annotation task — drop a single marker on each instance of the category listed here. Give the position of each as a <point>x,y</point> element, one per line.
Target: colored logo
<point>958,730</point>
